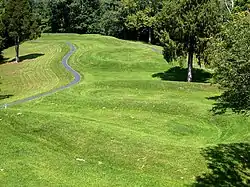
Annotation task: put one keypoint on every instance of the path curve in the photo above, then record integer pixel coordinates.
(77, 78)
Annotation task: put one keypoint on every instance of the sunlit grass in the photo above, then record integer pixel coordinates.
(117, 127)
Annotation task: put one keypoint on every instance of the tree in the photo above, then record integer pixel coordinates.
(110, 22)
(186, 26)
(143, 16)
(42, 11)
(2, 27)
(84, 16)
(140, 20)
(60, 15)
(75, 16)
(230, 57)
(20, 23)
(241, 5)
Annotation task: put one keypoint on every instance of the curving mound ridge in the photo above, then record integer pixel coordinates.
(118, 126)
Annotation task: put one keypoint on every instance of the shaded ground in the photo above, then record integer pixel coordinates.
(224, 103)
(229, 165)
(5, 96)
(180, 74)
(22, 58)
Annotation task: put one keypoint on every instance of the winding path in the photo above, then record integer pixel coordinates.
(77, 78)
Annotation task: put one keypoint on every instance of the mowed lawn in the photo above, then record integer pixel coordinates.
(117, 127)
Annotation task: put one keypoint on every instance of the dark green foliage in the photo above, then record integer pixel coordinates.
(83, 16)
(60, 14)
(111, 19)
(242, 5)
(230, 55)
(141, 16)
(42, 11)
(20, 23)
(74, 16)
(185, 26)
(2, 28)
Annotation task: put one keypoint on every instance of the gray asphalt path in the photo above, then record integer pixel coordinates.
(76, 75)
(157, 50)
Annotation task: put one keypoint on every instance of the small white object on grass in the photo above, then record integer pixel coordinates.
(80, 159)
(1, 169)
(5, 106)
(19, 113)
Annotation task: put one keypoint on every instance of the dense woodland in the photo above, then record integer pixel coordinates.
(214, 33)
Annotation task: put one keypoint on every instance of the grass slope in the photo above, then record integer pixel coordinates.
(39, 71)
(117, 127)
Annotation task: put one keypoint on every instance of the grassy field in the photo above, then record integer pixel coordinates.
(117, 127)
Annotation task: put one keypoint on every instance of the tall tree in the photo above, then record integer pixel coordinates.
(84, 16)
(42, 11)
(110, 22)
(2, 27)
(230, 57)
(186, 26)
(60, 15)
(143, 15)
(20, 23)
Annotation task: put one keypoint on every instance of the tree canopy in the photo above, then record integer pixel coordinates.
(185, 28)
(20, 24)
(230, 56)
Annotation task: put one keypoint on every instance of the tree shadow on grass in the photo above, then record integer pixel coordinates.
(223, 103)
(180, 74)
(22, 58)
(5, 96)
(30, 56)
(229, 166)
(3, 60)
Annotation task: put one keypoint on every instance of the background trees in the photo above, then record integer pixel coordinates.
(2, 27)
(142, 16)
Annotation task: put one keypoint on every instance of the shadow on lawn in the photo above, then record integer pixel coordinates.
(3, 60)
(5, 96)
(180, 74)
(223, 103)
(22, 58)
(229, 166)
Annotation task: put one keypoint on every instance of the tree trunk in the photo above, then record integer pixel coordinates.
(149, 35)
(17, 49)
(190, 65)
(138, 35)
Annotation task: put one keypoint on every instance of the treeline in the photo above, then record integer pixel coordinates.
(124, 19)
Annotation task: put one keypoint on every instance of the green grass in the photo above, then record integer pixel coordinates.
(38, 74)
(117, 127)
